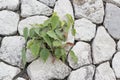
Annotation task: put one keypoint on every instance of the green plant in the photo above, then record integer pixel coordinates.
(49, 38)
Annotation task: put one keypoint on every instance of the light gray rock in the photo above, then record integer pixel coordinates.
(8, 22)
(112, 21)
(7, 72)
(118, 45)
(85, 29)
(116, 64)
(20, 78)
(34, 7)
(101, 46)
(8, 4)
(63, 7)
(90, 9)
(50, 3)
(116, 2)
(11, 50)
(29, 56)
(83, 52)
(104, 72)
(38, 70)
(84, 73)
(30, 20)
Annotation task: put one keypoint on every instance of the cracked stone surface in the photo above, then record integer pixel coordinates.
(50, 3)
(116, 2)
(7, 72)
(8, 22)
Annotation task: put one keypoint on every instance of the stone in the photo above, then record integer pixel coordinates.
(84, 73)
(118, 45)
(9, 22)
(30, 20)
(63, 7)
(8, 4)
(20, 78)
(90, 9)
(50, 3)
(116, 64)
(85, 29)
(112, 21)
(101, 46)
(104, 72)
(83, 52)
(34, 7)
(7, 72)
(29, 56)
(11, 48)
(40, 70)
(116, 2)
(0, 38)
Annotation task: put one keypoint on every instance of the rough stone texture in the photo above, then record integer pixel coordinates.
(11, 49)
(118, 45)
(104, 72)
(38, 70)
(101, 47)
(34, 7)
(30, 20)
(63, 7)
(8, 22)
(29, 56)
(90, 9)
(8, 4)
(85, 29)
(50, 3)
(116, 2)
(0, 39)
(20, 78)
(116, 64)
(7, 72)
(83, 52)
(84, 73)
(112, 21)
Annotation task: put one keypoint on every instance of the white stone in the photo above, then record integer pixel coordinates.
(7, 72)
(34, 7)
(9, 22)
(112, 21)
(85, 29)
(8, 4)
(50, 3)
(20, 78)
(116, 64)
(40, 70)
(116, 2)
(63, 7)
(83, 52)
(30, 20)
(104, 72)
(84, 73)
(118, 45)
(90, 9)
(103, 46)
(11, 50)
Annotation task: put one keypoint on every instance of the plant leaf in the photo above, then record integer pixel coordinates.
(57, 43)
(59, 34)
(73, 32)
(58, 53)
(25, 33)
(73, 56)
(32, 32)
(44, 54)
(29, 43)
(63, 52)
(52, 34)
(24, 56)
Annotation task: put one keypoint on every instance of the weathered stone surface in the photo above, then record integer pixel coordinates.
(116, 64)
(83, 52)
(101, 47)
(20, 78)
(63, 7)
(29, 56)
(38, 70)
(85, 29)
(8, 4)
(118, 45)
(11, 49)
(104, 72)
(30, 20)
(84, 73)
(90, 9)
(34, 7)
(112, 21)
(116, 2)
(8, 22)
(7, 72)
(50, 3)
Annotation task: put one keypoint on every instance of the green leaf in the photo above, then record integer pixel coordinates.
(63, 52)
(35, 48)
(29, 43)
(52, 34)
(58, 53)
(37, 30)
(25, 33)
(57, 43)
(73, 32)
(59, 34)
(32, 32)
(70, 19)
(73, 56)
(24, 56)
(44, 54)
